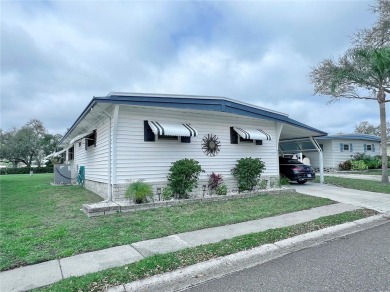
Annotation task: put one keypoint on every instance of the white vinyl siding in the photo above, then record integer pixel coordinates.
(327, 155)
(137, 159)
(358, 146)
(95, 159)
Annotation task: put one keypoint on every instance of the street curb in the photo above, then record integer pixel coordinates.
(215, 268)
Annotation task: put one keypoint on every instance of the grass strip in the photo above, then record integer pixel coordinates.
(40, 222)
(159, 264)
(357, 184)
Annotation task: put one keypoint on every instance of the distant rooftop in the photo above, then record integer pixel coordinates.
(351, 137)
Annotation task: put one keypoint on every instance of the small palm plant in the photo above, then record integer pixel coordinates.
(139, 191)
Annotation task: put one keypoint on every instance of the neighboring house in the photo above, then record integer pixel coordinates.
(126, 136)
(339, 148)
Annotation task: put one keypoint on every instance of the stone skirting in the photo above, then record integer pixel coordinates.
(326, 169)
(98, 188)
(118, 190)
(121, 206)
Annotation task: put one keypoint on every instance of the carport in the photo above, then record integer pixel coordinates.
(295, 140)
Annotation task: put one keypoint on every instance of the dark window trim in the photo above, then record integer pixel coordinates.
(90, 140)
(71, 153)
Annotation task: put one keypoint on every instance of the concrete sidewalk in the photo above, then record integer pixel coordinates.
(46, 273)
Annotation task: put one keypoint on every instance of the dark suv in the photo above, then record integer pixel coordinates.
(295, 170)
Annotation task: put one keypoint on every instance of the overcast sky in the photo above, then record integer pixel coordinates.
(55, 56)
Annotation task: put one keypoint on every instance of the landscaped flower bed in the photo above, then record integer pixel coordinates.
(106, 208)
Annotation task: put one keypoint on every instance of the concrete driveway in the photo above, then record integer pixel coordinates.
(376, 201)
(354, 176)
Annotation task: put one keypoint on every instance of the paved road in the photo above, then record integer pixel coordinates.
(358, 262)
(371, 200)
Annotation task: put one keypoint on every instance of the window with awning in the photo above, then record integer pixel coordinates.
(239, 134)
(153, 129)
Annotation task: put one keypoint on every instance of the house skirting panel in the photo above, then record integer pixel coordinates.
(119, 190)
(326, 169)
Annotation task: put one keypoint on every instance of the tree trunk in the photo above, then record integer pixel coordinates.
(382, 110)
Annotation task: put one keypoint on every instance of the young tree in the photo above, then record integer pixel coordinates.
(363, 72)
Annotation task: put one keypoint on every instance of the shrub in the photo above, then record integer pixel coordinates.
(373, 163)
(263, 184)
(247, 172)
(26, 170)
(183, 176)
(358, 165)
(221, 190)
(346, 165)
(215, 180)
(167, 193)
(284, 181)
(139, 191)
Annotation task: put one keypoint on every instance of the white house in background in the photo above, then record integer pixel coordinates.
(126, 136)
(339, 148)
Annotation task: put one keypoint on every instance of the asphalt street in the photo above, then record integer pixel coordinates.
(357, 262)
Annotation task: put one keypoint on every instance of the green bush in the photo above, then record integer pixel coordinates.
(26, 170)
(358, 165)
(263, 184)
(139, 191)
(247, 172)
(167, 193)
(373, 163)
(221, 190)
(284, 181)
(346, 165)
(183, 176)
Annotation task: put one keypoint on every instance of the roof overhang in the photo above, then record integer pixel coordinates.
(93, 114)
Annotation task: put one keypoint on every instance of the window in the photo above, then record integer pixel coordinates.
(169, 138)
(71, 153)
(369, 147)
(346, 147)
(90, 140)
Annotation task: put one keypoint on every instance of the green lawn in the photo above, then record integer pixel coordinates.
(40, 222)
(357, 184)
(158, 264)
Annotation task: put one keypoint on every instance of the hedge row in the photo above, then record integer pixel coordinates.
(26, 170)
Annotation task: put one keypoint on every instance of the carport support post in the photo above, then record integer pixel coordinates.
(321, 158)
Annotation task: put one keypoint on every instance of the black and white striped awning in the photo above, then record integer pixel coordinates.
(254, 134)
(172, 129)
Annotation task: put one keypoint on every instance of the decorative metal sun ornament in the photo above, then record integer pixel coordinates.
(211, 145)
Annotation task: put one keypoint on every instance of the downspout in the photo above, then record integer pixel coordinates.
(321, 158)
(114, 144)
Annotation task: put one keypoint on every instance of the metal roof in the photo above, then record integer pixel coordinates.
(291, 128)
(351, 137)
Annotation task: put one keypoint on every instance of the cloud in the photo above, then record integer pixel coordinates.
(57, 55)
